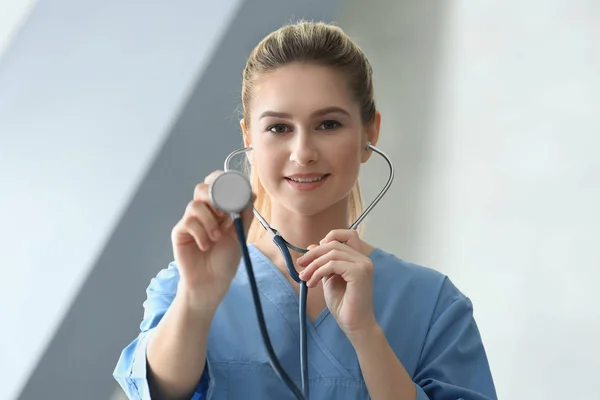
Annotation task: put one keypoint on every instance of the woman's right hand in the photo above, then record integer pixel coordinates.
(205, 246)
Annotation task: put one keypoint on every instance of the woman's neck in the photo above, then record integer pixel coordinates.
(302, 230)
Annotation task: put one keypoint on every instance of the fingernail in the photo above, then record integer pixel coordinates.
(216, 234)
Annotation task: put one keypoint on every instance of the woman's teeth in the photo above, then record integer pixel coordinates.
(307, 180)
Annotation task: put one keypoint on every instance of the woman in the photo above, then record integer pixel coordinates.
(379, 327)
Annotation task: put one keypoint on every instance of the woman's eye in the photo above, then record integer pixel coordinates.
(328, 125)
(278, 128)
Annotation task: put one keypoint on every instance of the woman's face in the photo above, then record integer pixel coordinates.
(307, 136)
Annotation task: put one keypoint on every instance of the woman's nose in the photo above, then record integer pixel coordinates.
(303, 150)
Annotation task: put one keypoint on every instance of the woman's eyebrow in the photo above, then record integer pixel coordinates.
(323, 111)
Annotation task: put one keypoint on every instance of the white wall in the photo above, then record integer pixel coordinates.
(492, 113)
(87, 96)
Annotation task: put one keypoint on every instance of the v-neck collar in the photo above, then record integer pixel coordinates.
(280, 297)
(283, 282)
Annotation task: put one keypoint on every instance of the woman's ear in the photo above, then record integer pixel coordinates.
(247, 141)
(245, 133)
(371, 135)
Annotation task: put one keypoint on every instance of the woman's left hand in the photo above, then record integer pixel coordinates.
(347, 278)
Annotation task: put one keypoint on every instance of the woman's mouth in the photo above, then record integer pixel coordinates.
(306, 181)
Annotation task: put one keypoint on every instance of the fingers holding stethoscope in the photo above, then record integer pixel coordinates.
(349, 237)
(201, 220)
(346, 275)
(335, 258)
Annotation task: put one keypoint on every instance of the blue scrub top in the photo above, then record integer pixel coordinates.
(428, 323)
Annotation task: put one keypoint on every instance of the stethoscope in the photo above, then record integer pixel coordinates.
(231, 193)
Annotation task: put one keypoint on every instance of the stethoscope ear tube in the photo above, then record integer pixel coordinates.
(356, 223)
(289, 263)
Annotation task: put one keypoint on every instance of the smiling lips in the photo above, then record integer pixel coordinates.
(306, 181)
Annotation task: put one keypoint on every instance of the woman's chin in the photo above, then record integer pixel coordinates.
(307, 207)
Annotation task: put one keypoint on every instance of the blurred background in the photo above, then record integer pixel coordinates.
(111, 112)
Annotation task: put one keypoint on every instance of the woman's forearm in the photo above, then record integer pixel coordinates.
(176, 352)
(384, 374)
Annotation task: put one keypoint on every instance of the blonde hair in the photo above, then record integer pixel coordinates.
(315, 43)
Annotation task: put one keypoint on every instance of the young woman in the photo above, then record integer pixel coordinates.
(379, 327)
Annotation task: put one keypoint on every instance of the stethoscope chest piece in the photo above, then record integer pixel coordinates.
(231, 192)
